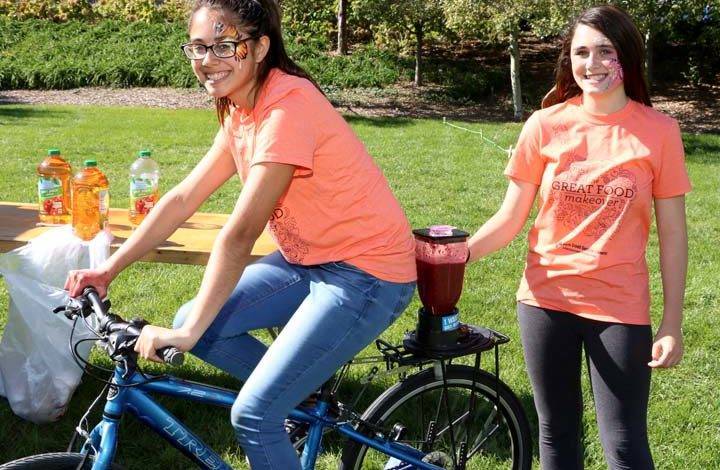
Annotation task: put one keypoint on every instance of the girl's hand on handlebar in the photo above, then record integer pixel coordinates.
(77, 280)
(153, 338)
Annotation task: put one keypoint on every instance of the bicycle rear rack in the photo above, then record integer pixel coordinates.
(476, 341)
(399, 359)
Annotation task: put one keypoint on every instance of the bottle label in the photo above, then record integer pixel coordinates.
(50, 196)
(140, 187)
(103, 207)
(143, 195)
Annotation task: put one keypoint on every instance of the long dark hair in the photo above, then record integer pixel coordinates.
(257, 18)
(619, 28)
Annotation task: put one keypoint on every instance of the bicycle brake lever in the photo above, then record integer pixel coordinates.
(69, 312)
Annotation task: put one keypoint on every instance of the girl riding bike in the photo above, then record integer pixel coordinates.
(345, 268)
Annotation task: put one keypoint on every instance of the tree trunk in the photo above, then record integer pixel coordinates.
(418, 53)
(342, 27)
(649, 37)
(515, 75)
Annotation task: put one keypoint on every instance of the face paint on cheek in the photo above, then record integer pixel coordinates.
(241, 51)
(616, 73)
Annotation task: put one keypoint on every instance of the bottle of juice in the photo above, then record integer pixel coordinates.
(90, 201)
(144, 192)
(54, 175)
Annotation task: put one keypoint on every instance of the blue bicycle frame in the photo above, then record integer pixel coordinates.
(102, 441)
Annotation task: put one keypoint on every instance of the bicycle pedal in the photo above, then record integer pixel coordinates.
(295, 430)
(398, 431)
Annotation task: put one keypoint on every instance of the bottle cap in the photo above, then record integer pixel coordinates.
(90, 163)
(53, 151)
(144, 153)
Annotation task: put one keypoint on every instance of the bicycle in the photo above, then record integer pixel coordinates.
(404, 428)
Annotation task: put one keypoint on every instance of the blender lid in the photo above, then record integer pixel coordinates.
(441, 234)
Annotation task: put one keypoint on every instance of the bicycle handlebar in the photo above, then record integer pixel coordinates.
(109, 323)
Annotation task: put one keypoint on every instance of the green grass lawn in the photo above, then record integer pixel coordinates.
(440, 175)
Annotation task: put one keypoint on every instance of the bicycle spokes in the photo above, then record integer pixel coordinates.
(438, 422)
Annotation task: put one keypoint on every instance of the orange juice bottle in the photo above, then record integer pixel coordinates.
(54, 175)
(144, 192)
(90, 201)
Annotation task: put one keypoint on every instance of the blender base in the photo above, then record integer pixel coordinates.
(470, 339)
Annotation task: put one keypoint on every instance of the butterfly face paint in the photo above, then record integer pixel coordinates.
(230, 32)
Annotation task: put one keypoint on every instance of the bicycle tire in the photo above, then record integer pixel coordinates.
(461, 377)
(51, 461)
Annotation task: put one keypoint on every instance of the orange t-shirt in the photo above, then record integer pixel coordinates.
(339, 206)
(597, 177)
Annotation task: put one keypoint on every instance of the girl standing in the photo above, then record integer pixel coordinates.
(599, 158)
(345, 268)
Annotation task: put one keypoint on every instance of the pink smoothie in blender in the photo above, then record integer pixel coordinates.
(440, 253)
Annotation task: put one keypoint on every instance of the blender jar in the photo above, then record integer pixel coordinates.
(440, 254)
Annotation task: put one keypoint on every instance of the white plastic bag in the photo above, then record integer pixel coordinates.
(37, 372)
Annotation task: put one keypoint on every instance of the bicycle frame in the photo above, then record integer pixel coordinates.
(102, 440)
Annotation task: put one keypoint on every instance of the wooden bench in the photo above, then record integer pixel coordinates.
(190, 244)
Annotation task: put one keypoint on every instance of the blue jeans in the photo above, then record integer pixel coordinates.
(328, 312)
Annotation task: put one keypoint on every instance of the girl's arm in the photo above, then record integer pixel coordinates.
(265, 184)
(672, 233)
(174, 208)
(507, 222)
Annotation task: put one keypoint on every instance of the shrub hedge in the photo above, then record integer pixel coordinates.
(91, 10)
(40, 54)
(43, 54)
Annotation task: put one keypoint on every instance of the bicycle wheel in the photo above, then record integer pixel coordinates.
(52, 461)
(498, 437)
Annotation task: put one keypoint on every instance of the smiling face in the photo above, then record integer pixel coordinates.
(232, 77)
(595, 64)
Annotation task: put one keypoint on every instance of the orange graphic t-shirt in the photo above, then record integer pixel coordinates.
(597, 178)
(339, 206)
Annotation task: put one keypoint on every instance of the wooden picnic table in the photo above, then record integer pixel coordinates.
(190, 244)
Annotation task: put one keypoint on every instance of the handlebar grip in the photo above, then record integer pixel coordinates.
(94, 298)
(171, 355)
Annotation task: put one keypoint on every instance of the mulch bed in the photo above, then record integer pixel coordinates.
(697, 109)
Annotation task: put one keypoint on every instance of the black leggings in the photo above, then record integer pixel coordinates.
(617, 356)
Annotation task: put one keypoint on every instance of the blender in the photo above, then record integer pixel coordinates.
(441, 253)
